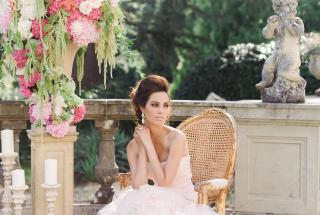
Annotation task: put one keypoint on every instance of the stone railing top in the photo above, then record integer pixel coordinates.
(120, 109)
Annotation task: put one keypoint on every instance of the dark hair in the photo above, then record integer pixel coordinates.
(144, 88)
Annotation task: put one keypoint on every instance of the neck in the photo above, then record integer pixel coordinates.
(156, 131)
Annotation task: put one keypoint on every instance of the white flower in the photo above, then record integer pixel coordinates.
(96, 3)
(76, 27)
(24, 27)
(33, 99)
(28, 12)
(20, 71)
(4, 7)
(114, 3)
(24, 3)
(85, 7)
(59, 104)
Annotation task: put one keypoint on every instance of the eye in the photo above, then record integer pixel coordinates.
(166, 105)
(154, 105)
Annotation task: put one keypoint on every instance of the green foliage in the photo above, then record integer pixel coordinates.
(86, 151)
(173, 36)
(232, 76)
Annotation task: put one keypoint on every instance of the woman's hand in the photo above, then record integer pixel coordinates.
(142, 136)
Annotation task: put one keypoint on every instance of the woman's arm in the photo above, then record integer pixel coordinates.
(164, 176)
(137, 158)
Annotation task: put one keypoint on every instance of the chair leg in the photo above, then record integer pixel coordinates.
(221, 204)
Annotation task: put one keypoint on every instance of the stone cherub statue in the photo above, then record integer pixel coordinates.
(281, 80)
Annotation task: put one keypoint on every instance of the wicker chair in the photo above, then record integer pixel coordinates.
(212, 142)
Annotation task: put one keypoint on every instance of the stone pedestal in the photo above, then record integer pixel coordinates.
(43, 147)
(278, 163)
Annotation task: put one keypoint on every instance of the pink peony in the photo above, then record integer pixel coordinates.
(58, 130)
(35, 28)
(21, 58)
(79, 113)
(5, 20)
(84, 32)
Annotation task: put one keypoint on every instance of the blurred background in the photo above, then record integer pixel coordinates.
(200, 46)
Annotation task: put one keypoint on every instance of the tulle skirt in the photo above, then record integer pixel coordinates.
(155, 200)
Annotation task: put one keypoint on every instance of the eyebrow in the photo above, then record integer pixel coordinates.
(159, 102)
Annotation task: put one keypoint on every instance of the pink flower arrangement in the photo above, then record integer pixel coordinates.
(35, 46)
(79, 113)
(58, 130)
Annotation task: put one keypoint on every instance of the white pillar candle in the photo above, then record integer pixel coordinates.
(18, 178)
(7, 141)
(50, 172)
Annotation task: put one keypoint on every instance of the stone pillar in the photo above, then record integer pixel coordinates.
(44, 146)
(278, 168)
(106, 168)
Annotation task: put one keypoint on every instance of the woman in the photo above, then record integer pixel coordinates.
(157, 152)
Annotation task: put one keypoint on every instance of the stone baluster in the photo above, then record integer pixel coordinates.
(106, 169)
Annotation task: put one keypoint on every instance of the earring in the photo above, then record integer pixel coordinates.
(142, 118)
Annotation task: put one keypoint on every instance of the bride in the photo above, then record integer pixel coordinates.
(157, 152)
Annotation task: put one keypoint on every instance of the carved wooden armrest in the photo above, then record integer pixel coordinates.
(209, 185)
(124, 179)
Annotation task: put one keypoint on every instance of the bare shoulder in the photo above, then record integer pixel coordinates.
(177, 136)
(132, 146)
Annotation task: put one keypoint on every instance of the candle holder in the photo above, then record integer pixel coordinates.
(51, 195)
(8, 162)
(18, 198)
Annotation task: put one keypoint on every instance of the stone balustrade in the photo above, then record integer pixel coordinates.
(277, 170)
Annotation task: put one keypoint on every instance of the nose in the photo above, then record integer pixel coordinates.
(161, 109)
